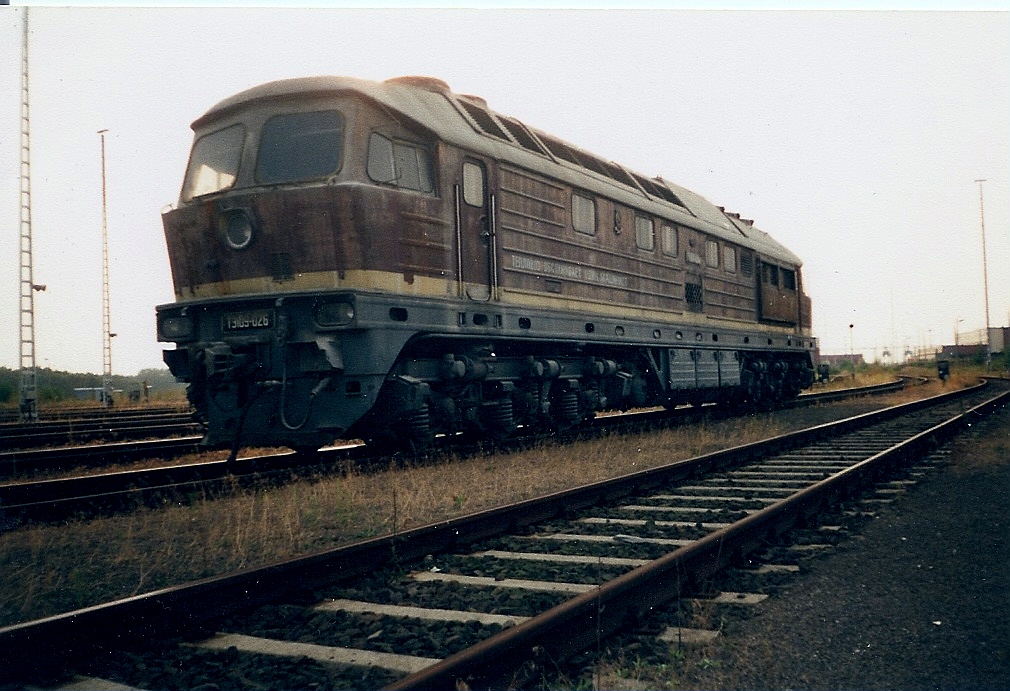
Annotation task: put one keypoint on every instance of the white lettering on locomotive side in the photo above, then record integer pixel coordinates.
(572, 271)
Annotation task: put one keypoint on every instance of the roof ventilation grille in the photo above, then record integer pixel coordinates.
(476, 108)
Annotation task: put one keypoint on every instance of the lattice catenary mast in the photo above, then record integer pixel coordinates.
(106, 309)
(29, 390)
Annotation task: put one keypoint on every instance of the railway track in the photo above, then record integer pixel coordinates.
(492, 598)
(137, 424)
(30, 463)
(21, 455)
(56, 499)
(11, 417)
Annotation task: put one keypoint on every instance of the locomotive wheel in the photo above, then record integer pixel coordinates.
(565, 409)
(410, 433)
(498, 419)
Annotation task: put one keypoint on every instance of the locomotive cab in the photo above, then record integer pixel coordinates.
(280, 227)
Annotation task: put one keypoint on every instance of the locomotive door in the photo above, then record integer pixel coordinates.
(475, 233)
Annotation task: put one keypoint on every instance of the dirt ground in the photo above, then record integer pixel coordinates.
(919, 599)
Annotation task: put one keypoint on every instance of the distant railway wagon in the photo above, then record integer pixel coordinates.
(393, 260)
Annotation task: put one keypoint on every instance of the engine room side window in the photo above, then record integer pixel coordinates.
(712, 253)
(399, 163)
(645, 233)
(668, 238)
(213, 165)
(300, 146)
(583, 214)
(729, 259)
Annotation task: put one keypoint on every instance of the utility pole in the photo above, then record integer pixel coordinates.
(852, 351)
(29, 397)
(106, 310)
(985, 273)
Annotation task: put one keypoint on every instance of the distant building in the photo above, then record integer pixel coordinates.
(925, 354)
(973, 343)
(961, 350)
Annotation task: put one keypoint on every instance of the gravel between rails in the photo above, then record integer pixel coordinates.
(919, 599)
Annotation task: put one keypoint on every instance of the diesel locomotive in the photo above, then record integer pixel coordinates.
(392, 260)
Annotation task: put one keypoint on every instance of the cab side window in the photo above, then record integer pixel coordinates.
(771, 274)
(788, 279)
(473, 184)
(400, 163)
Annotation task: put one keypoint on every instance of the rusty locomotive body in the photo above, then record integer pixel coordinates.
(394, 260)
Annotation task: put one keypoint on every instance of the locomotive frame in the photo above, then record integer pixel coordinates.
(393, 260)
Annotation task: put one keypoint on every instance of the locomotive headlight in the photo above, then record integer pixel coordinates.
(175, 328)
(236, 227)
(334, 313)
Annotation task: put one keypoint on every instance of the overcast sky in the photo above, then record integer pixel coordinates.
(854, 138)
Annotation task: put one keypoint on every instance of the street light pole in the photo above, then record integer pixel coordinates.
(852, 352)
(985, 271)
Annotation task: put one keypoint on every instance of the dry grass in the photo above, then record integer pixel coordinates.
(985, 448)
(168, 397)
(50, 569)
(867, 376)
(959, 379)
(58, 568)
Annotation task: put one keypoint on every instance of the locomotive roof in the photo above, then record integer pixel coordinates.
(467, 122)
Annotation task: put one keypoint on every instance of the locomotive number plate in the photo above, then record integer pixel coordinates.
(244, 321)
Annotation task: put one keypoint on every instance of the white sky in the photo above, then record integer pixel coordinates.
(853, 138)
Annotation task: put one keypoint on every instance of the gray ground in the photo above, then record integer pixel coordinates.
(919, 600)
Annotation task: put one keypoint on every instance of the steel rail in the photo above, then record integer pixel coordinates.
(56, 499)
(61, 419)
(63, 433)
(23, 436)
(35, 461)
(125, 416)
(9, 418)
(812, 397)
(32, 647)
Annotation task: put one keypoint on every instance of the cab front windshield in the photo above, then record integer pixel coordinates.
(213, 165)
(292, 147)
